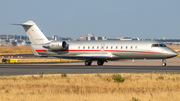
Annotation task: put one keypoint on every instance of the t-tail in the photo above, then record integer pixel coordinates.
(34, 33)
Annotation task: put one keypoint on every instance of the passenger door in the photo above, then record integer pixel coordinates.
(102, 47)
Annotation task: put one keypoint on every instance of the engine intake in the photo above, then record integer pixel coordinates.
(56, 45)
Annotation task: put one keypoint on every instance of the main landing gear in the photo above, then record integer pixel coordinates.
(88, 62)
(164, 62)
(99, 62)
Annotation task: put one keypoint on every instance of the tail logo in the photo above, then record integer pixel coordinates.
(40, 39)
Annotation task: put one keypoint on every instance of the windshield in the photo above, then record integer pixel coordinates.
(158, 45)
(162, 45)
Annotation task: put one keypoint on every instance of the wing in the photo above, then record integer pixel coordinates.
(87, 56)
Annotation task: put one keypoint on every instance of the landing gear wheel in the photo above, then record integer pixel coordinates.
(100, 62)
(164, 64)
(88, 63)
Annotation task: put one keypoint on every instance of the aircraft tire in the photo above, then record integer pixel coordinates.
(100, 62)
(164, 64)
(88, 63)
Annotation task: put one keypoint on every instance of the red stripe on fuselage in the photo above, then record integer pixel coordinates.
(133, 51)
(82, 50)
(41, 50)
(108, 51)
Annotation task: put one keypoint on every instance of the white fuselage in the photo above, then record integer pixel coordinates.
(95, 50)
(109, 50)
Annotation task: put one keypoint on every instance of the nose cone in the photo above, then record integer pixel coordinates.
(169, 53)
(173, 54)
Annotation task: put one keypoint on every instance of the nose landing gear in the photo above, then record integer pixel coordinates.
(164, 62)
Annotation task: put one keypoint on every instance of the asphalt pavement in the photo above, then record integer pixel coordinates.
(122, 66)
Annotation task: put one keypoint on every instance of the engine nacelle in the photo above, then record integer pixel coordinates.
(56, 45)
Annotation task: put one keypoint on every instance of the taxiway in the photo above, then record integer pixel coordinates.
(124, 66)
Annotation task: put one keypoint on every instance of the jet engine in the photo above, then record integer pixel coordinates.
(56, 45)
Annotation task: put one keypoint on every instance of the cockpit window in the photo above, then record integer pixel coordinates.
(158, 45)
(155, 45)
(162, 45)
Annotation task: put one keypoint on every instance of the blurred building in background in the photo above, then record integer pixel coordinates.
(22, 40)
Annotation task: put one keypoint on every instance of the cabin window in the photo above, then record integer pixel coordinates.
(116, 47)
(106, 47)
(121, 47)
(136, 47)
(92, 47)
(79, 47)
(111, 47)
(126, 47)
(84, 47)
(97, 47)
(88, 47)
(131, 47)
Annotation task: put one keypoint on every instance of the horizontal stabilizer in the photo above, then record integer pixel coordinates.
(24, 24)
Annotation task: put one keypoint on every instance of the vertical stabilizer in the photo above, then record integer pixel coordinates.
(34, 33)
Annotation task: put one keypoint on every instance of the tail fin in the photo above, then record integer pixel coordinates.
(34, 33)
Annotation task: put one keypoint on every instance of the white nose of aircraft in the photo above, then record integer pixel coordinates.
(172, 54)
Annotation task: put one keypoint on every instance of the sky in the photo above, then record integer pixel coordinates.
(145, 19)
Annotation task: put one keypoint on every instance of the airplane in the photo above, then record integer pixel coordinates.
(100, 51)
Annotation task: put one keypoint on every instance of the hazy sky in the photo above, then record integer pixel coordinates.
(110, 18)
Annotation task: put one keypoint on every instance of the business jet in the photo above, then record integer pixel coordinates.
(100, 51)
